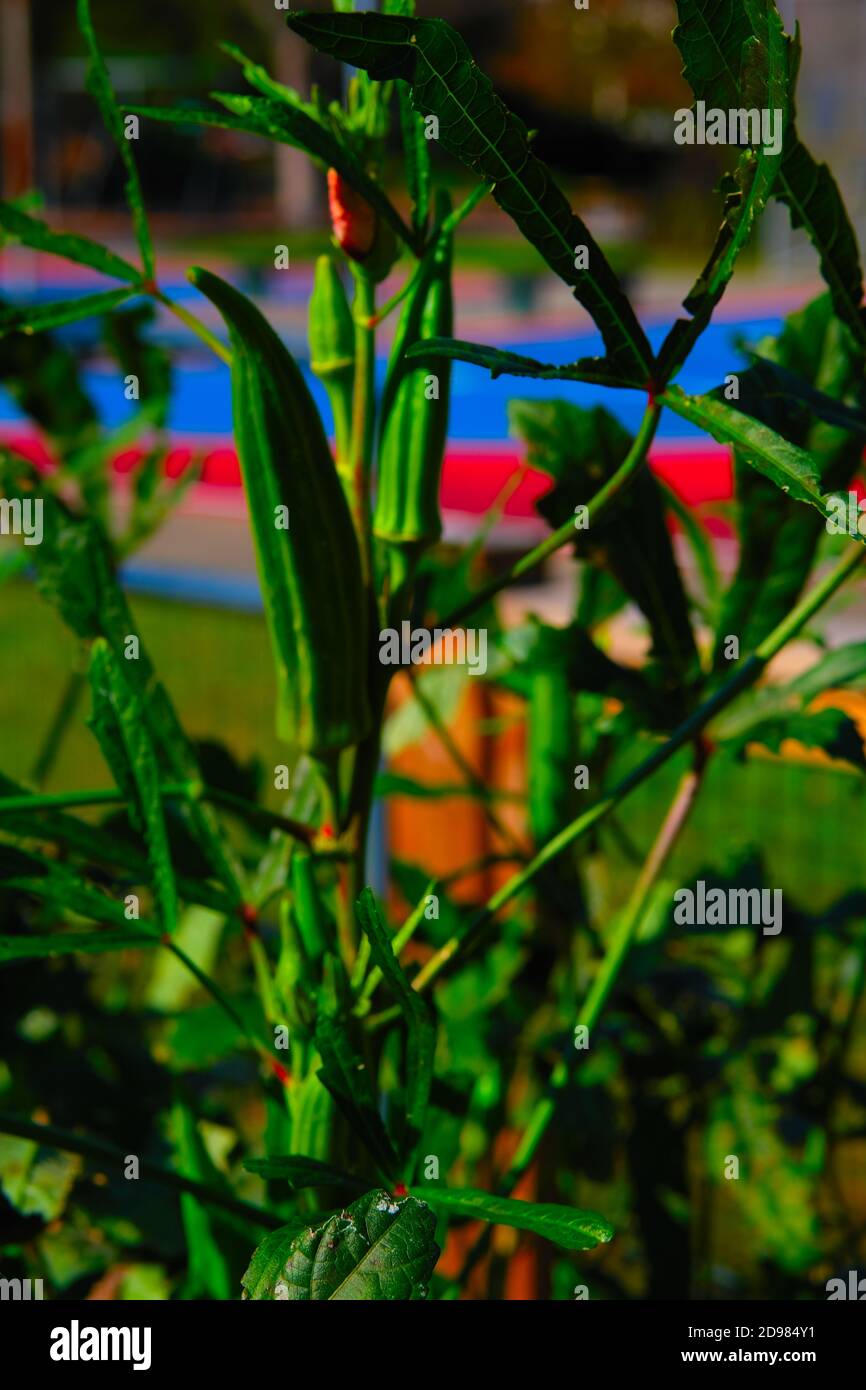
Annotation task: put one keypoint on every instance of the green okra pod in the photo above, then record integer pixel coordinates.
(306, 548)
(331, 337)
(415, 412)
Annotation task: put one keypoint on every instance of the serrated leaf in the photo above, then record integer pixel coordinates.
(736, 55)
(814, 202)
(778, 540)
(565, 1226)
(806, 187)
(769, 391)
(36, 318)
(31, 231)
(381, 1248)
(421, 1031)
(100, 88)
(28, 947)
(792, 469)
(595, 370)
(346, 1075)
(301, 1172)
(121, 728)
(478, 128)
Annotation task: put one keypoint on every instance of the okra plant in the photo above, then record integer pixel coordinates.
(407, 1074)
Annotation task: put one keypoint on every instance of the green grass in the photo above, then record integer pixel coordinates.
(215, 664)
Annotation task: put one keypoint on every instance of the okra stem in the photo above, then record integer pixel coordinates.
(195, 326)
(363, 413)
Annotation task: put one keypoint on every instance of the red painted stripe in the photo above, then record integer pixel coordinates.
(472, 479)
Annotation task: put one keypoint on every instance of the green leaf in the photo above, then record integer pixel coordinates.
(380, 1248)
(831, 730)
(120, 726)
(30, 231)
(35, 318)
(346, 1075)
(711, 35)
(95, 845)
(421, 1039)
(479, 129)
(500, 363)
(71, 943)
(59, 885)
(309, 566)
(779, 540)
(791, 468)
(100, 88)
(582, 449)
(44, 379)
(771, 713)
(769, 391)
(301, 1172)
(299, 126)
(814, 202)
(565, 1226)
(714, 33)
(736, 56)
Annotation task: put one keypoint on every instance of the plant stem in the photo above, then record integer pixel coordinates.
(103, 1152)
(596, 506)
(655, 861)
(194, 325)
(747, 674)
(363, 413)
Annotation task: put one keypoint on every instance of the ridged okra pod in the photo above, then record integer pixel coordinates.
(331, 337)
(415, 412)
(306, 549)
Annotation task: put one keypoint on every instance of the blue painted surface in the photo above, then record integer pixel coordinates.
(202, 398)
